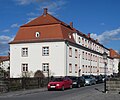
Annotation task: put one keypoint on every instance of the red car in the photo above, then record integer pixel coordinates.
(60, 83)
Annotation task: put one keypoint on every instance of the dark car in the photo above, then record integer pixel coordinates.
(104, 77)
(60, 83)
(77, 81)
(99, 79)
(89, 79)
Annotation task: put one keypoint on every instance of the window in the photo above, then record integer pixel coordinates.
(70, 68)
(69, 35)
(76, 53)
(83, 41)
(86, 69)
(79, 39)
(24, 52)
(83, 68)
(91, 57)
(76, 68)
(24, 67)
(37, 34)
(88, 44)
(45, 51)
(86, 56)
(70, 52)
(45, 67)
(83, 55)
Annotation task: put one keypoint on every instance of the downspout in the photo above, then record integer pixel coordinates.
(66, 57)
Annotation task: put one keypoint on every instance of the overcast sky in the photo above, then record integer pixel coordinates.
(101, 18)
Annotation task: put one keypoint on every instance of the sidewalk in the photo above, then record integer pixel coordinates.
(22, 92)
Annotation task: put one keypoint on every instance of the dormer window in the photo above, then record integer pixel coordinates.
(69, 35)
(37, 34)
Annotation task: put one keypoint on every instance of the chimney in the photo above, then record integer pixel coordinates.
(97, 40)
(89, 35)
(71, 24)
(45, 11)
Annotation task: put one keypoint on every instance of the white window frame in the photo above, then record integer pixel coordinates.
(37, 34)
(70, 68)
(45, 51)
(25, 67)
(76, 68)
(76, 53)
(45, 67)
(24, 52)
(70, 52)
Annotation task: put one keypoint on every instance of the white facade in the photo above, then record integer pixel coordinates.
(35, 59)
(63, 59)
(115, 65)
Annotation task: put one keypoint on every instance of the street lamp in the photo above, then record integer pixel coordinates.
(105, 65)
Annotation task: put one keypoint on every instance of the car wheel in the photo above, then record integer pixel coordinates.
(90, 83)
(70, 86)
(94, 83)
(83, 85)
(78, 85)
(63, 88)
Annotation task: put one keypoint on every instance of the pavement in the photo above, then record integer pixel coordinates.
(22, 92)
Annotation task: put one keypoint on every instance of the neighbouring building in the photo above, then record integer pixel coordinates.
(116, 60)
(4, 66)
(48, 44)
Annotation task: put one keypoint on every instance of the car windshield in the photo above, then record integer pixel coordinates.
(57, 80)
(86, 77)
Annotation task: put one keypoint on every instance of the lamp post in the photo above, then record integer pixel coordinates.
(105, 65)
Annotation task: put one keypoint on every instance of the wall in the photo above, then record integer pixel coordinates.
(113, 85)
(56, 58)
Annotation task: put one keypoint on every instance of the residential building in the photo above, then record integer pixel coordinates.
(50, 45)
(4, 66)
(116, 60)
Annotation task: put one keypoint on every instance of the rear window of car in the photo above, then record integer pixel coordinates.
(86, 77)
(73, 78)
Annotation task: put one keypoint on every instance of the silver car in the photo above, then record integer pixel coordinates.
(89, 80)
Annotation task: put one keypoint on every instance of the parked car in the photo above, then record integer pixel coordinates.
(77, 81)
(104, 77)
(60, 83)
(89, 79)
(99, 79)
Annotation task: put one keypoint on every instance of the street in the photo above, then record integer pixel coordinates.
(93, 92)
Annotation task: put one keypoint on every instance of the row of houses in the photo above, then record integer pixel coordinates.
(50, 45)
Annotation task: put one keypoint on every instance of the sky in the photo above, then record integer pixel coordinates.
(101, 18)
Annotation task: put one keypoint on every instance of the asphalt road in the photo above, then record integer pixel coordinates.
(93, 92)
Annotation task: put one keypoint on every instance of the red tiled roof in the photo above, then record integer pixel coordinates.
(49, 28)
(44, 20)
(4, 58)
(114, 54)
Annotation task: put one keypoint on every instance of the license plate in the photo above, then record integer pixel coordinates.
(52, 86)
(74, 83)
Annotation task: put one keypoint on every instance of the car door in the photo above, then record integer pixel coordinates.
(65, 83)
(82, 81)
